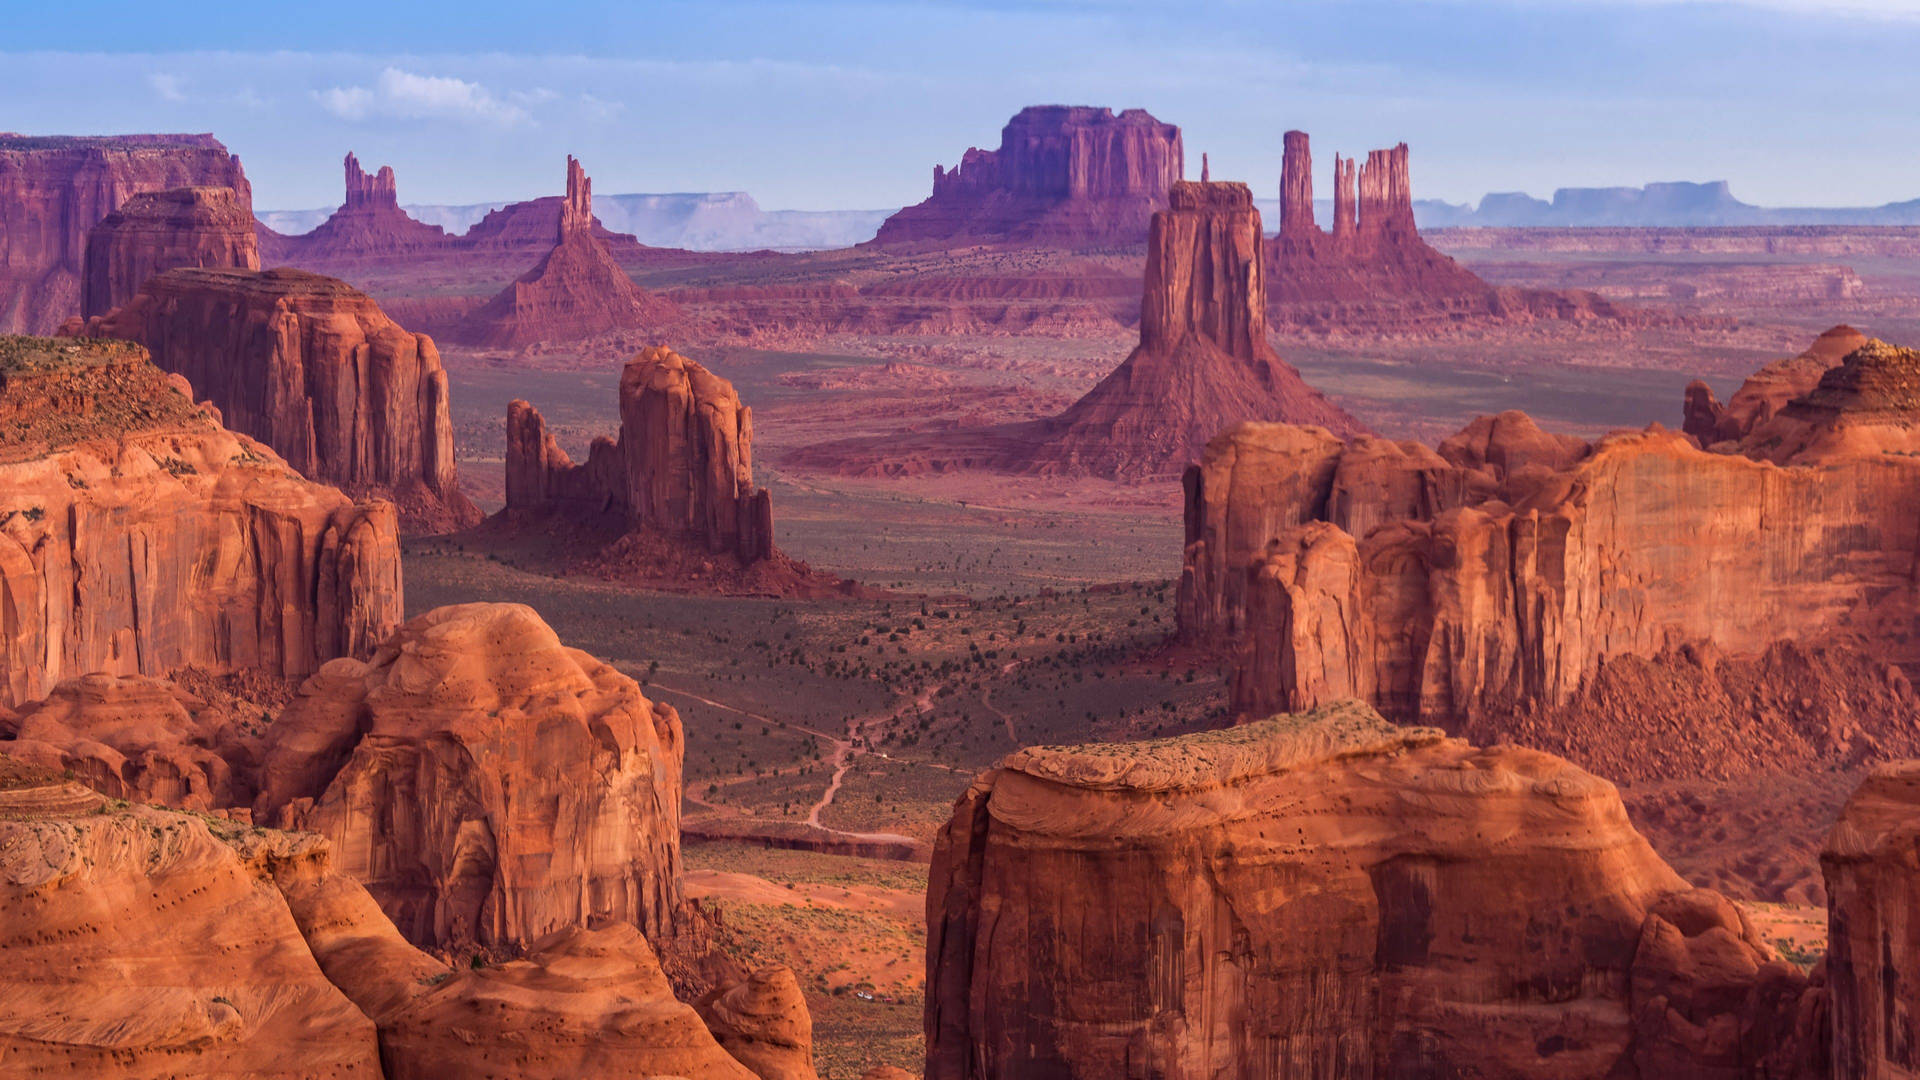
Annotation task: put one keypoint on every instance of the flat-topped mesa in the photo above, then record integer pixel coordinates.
(1203, 363)
(138, 536)
(1329, 895)
(54, 189)
(312, 367)
(1063, 176)
(160, 230)
(1386, 193)
(682, 466)
(576, 290)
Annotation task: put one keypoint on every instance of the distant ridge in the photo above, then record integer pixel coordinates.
(1667, 204)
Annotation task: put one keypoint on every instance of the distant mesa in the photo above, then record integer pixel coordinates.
(162, 230)
(576, 291)
(55, 188)
(671, 500)
(1063, 176)
(312, 367)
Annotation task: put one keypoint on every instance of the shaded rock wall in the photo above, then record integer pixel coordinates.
(160, 230)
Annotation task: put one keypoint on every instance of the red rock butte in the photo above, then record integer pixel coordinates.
(368, 222)
(162, 230)
(312, 367)
(55, 188)
(138, 536)
(1063, 176)
(575, 291)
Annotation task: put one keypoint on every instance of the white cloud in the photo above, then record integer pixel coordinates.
(420, 97)
(167, 87)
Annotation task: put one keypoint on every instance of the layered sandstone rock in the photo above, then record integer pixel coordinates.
(1063, 176)
(312, 367)
(575, 291)
(1766, 391)
(156, 231)
(136, 943)
(762, 1021)
(1203, 363)
(486, 783)
(138, 536)
(368, 223)
(55, 188)
(682, 466)
(1328, 895)
(1873, 947)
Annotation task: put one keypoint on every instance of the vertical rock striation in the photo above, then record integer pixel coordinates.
(1873, 937)
(313, 368)
(161, 230)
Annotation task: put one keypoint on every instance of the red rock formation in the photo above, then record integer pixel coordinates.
(1873, 946)
(575, 291)
(369, 222)
(138, 536)
(1766, 391)
(55, 188)
(682, 466)
(1498, 584)
(1075, 177)
(1328, 895)
(1203, 363)
(159, 230)
(313, 368)
(762, 1021)
(484, 782)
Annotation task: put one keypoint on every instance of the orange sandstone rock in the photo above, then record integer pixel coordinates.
(1873, 945)
(762, 1021)
(161, 230)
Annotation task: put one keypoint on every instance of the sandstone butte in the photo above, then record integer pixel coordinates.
(138, 536)
(671, 500)
(55, 188)
(1873, 938)
(1064, 176)
(312, 367)
(1203, 363)
(1766, 391)
(160, 230)
(1518, 584)
(368, 222)
(1330, 895)
(575, 291)
(488, 785)
(1374, 267)
(143, 942)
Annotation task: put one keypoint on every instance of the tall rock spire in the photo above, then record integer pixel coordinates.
(1343, 197)
(576, 213)
(1296, 186)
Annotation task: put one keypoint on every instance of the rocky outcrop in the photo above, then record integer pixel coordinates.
(156, 231)
(575, 291)
(1076, 177)
(1203, 363)
(487, 784)
(137, 943)
(55, 188)
(1766, 391)
(138, 536)
(1329, 895)
(1873, 946)
(762, 1021)
(681, 467)
(1497, 578)
(368, 223)
(312, 367)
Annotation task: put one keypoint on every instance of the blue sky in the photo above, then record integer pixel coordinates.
(839, 104)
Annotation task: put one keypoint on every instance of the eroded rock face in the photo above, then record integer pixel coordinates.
(55, 188)
(1766, 391)
(368, 222)
(136, 943)
(1873, 945)
(1063, 176)
(1329, 895)
(487, 784)
(159, 230)
(138, 536)
(575, 291)
(1203, 363)
(762, 1021)
(312, 367)
(682, 465)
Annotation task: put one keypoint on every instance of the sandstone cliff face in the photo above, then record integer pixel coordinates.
(487, 784)
(155, 231)
(138, 536)
(313, 368)
(1503, 580)
(1063, 177)
(1203, 363)
(1328, 895)
(682, 466)
(55, 188)
(1873, 946)
(575, 291)
(1766, 391)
